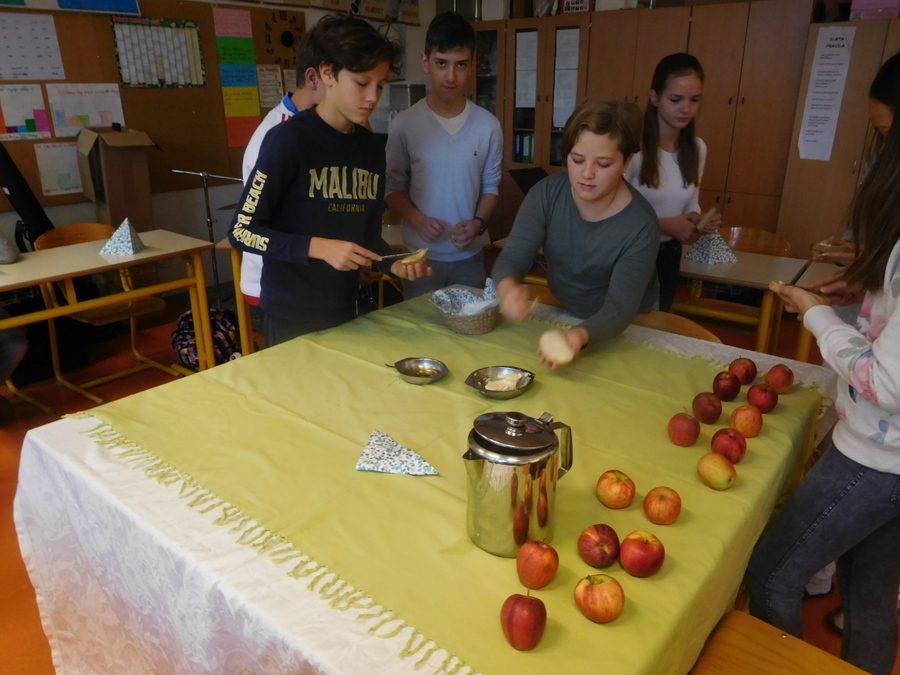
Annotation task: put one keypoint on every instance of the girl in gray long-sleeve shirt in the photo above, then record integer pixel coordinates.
(599, 236)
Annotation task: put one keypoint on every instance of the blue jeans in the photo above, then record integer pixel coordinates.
(845, 511)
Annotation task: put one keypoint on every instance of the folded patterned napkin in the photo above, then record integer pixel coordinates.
(711, 249)
(459, 300)
(385, 455)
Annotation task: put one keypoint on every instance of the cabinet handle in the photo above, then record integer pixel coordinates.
(730, 100)
(728, 199)
(743, 100)
(854, 167)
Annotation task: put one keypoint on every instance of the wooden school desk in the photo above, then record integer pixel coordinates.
(233, 532)
(751, 270)
(66, 263)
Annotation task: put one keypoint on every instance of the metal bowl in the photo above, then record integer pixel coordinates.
(482, 378)
(420, 369)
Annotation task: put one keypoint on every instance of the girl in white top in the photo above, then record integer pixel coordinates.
(668, 169)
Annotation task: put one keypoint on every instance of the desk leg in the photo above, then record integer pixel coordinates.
(245, 325)
(804, 344)
(206, 355)
(764, 329)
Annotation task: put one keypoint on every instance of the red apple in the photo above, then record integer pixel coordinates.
(763, 397)
(707, 407)
(683, 429)
(598, 545)
(523, 619)
(599, 597)
(716, 471)
(780, 378)
(744, 369)
(520, 523)
(641, 554)
(729, 443)
(615, 490)
(662, 505)
(748, 420)
(726, 386)
(536, 564)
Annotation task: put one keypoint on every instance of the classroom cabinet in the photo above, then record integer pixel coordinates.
(626, 45)
(817, 193)
(752, 54)
(546, 60)
(486, 87)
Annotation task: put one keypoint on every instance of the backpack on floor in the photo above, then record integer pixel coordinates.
(225, 337)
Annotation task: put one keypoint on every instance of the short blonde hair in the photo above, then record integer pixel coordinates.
(619, 120)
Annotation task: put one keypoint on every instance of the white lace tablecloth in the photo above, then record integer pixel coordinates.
(152, 587)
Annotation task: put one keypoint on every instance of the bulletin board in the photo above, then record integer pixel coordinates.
(188, 124)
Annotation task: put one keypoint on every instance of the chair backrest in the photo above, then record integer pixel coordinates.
(74, 233)
(755, 240)
(673, 323)
(538, 288)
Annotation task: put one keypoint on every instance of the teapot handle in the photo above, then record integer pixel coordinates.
(564, 431)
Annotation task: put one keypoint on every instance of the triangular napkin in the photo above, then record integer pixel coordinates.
(124, 241)
(385, 455)
(711, 249)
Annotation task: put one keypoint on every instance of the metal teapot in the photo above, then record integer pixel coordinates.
(513, 462)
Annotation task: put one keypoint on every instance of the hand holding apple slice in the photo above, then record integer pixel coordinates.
(555, 347)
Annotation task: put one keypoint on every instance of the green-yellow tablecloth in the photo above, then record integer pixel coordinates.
(269, 443)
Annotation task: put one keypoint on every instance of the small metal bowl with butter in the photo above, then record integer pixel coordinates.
(500, 381)
(420, 369)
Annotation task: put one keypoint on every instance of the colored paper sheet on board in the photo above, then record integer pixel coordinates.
(235, 50)
(240, 129)
(22, 112)
(58, 168)
(238, 75)
(232, 22)
(241, 101)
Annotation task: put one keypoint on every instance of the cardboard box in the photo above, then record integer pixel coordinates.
(115, 174)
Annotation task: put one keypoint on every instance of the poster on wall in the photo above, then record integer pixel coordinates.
(158, 52)
(23, 114)
(29, 48)
(58, 167)
(77, 105)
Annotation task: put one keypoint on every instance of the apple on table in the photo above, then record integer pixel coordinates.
(662, 505)
(683, 429)
(744, 368)
(716, 471)
(780, 378)
(641, 554)
(615, 489)
(598, 545)
(523, 619)
(707, 407)
(763, 397)
(748, 420)
(726, 386)
(729, 443)
(600, 597)
(536, 564)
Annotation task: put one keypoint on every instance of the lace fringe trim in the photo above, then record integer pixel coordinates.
(341, 595)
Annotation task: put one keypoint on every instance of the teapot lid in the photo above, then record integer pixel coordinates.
(514, 431)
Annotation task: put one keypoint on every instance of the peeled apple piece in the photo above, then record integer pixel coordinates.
(556, 348)
(415, 256)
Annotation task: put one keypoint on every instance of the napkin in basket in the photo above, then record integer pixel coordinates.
(385, 455)
(711, 249)
(464, 301)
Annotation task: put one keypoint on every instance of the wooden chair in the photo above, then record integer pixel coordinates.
(672, 323)
(129, 310)
(744, 645)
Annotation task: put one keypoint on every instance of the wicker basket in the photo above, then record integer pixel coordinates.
(474, 324)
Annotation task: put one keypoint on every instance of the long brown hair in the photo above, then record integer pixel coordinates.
(875, 213)
(673, 65)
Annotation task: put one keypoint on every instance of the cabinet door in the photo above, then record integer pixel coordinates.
(746, 210)
(522, 91)
(486, 84)
(567, 49)
(613, 39)
(661, 31)
(817, 193)
(770, 77)
(717, 40)
(892, 43)
(710, 198)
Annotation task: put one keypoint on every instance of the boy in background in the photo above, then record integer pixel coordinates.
(308, 93)
(444, 159)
